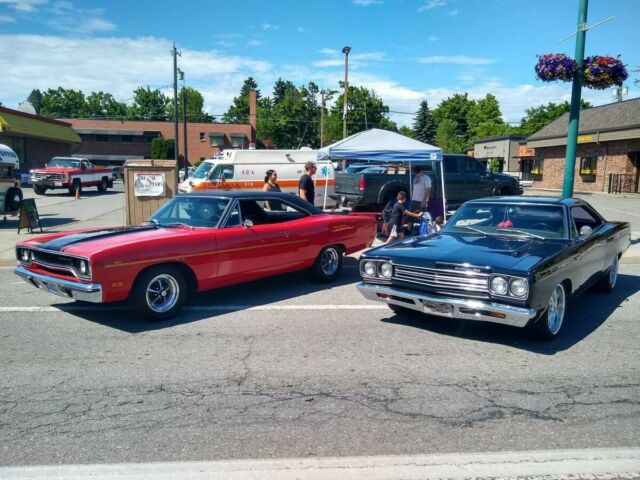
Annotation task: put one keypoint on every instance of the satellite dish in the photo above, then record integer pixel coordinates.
(26, 107)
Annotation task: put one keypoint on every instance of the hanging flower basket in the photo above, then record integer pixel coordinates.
(555, 66)
(603, 72)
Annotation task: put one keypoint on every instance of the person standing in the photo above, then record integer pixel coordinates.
(306, 185)
(421, 190)
(271, 185)
(398, 214)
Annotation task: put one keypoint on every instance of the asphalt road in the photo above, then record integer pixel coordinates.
(285, 368)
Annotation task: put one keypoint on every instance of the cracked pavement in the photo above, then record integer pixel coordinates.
(99, 386)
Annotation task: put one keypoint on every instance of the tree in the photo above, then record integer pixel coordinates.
(35, 99)
(149, 104)
(238, 112)
(195, 105)
(541, 116)
(447, 137)
(162, 148)
(409, 132)
(63, 103)
(424, 126)
(485, 119)
(101, 104)
(455, 108)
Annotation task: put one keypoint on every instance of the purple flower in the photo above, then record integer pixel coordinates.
(601, 72)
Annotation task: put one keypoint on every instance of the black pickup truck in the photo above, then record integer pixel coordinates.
(465, 179)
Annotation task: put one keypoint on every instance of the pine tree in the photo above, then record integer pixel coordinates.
(424, 125)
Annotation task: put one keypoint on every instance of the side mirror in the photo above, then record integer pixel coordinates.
(247, 224)
(585, 231)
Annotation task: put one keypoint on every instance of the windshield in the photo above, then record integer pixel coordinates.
(203, 170)
(534, 221)
(191, 211)
(64, 162)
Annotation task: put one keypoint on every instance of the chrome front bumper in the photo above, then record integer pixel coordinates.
(86, 292)
(451, 307)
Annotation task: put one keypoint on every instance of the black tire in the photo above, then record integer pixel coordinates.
(328, 264)
(549, 324)
(608, 281)
(159, 293)
(12, 199)
(75, 186)
(104, 183)
(504, 191)
(38, 190)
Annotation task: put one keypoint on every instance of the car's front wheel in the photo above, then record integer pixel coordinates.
(328, 264)
(551, 321)
(159, 293)
(104, 183)
(38, 190)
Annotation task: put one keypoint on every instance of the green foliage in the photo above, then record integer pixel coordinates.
(101, 104)
(424, 125)
(63, 103)
(456, 109)
(238, 112)
(447, 137)
(541, 116)
(162, 148)
(195, 105)
(407, 132)
(149, 104)
(35, 99)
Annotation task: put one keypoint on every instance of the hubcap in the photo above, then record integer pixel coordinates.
(613, 272)
(162, 293)
(555, 310)
(330, 261)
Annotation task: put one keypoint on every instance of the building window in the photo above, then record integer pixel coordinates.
(217, 139)
(589, 166)
(126, 138)
(536, 167)
(202, 139)
(150, 138)
(102, 138)
(237, 140)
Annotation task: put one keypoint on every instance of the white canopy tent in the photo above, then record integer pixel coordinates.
(377, 145)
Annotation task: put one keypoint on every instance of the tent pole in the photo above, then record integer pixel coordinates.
(326, 184)
(444, 198)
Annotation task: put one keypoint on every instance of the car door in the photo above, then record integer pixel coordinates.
(220, 177)
(453, 182)
(589, 253)
(477, 181)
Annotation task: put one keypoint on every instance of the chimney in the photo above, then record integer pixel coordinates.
(253, 98)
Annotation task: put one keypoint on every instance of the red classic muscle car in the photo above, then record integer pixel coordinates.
(194, 242)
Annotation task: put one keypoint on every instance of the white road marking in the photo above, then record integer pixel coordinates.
(194, 308)
(594, 464)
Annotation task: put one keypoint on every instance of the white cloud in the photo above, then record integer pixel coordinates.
(329, 52)
(23, 5)
(453, 12)
(268, 26)
(355, 60)
(6, 19)
(366, 3)
(254, 43)
(432, 4)
(455, 60)
(433, 38)
(300, 29)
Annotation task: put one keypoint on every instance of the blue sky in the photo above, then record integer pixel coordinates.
(405, 50)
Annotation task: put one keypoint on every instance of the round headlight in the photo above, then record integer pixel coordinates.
(386, 270)
(24, 255)
(518, 287)
(84, 267)
(499, 285)
(369, 268)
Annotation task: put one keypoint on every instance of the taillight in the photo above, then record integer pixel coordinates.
(362, 184)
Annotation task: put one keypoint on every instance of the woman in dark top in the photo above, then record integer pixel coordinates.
(270, 185)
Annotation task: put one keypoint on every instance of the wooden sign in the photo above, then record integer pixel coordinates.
(29, 217)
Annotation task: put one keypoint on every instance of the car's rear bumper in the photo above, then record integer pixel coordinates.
(451, 307)
(86, 292)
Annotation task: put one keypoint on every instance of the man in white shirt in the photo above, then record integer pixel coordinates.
(421, 189)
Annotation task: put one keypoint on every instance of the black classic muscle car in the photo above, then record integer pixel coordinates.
(508, 260)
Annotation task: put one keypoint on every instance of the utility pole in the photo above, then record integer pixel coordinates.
(346, 51)
(574, 113)
(184, 123)
(366, 124)
(322, 92)
(175, 54)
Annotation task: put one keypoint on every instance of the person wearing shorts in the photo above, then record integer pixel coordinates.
(396, 221)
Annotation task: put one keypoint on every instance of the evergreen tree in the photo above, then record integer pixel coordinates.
(424, 126)
(35, 99)
(238, 112)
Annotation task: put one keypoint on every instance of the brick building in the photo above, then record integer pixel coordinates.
(114, 141)
(502, 152)
(608, 152)
(36, 139)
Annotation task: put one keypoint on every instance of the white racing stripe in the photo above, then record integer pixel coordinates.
(194, 308)
(547, 465)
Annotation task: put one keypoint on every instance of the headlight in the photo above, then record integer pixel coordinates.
(84, 267)
(499, 285)
(386, 270)
(24, 255)
(369, 269)
(519, 287)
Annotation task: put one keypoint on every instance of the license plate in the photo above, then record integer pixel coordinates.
(52, 289)
(57, 184)
(437, 307)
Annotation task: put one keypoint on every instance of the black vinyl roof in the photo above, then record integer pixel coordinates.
(257, 195)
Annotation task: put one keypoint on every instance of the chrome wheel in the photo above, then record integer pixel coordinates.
(555, 310)
(330, 261)
(162, 293)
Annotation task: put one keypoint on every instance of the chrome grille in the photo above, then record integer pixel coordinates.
(57, 262)
(461, 281)
(48, 176)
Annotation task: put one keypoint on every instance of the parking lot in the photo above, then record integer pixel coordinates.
(286, 368)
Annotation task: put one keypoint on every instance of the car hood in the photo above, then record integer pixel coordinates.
(87, 243)
(54, 169)
(497, 253)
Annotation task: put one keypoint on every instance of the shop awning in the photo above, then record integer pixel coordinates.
(32, 126)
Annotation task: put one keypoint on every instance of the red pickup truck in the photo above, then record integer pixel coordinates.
(72, 174)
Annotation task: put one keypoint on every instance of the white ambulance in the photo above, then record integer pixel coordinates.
(246, 170)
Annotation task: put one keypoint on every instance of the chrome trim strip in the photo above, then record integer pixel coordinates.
(87, 292)
(465, 309)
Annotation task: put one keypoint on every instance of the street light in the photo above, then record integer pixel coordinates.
(346, 51)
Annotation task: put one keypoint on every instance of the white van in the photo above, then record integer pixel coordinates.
(10, 193)
(246, 170)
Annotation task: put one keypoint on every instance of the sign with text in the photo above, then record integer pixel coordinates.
(29, 217)
(149, 184)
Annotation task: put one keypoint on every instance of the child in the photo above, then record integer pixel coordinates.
(396, 220)
(439, 223)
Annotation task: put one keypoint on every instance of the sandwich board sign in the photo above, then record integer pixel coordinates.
(29, 217)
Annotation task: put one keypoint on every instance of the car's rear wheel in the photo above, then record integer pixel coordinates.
(76, 186)
(551, 321)
(328, 264)
(104, 183)
(608, 282)
(159, 293)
